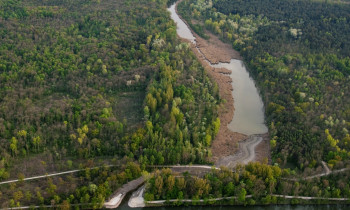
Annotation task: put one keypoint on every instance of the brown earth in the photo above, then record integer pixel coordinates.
(262, 151)
(226, 141)
(215, 51)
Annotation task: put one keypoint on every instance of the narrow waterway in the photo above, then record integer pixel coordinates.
(182, 30)
(248, 117)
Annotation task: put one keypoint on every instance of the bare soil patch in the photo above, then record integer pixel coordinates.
(262, 150)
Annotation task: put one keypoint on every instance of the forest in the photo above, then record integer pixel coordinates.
(252, 184)
(93, 83)
(298, 54)
(106, 87)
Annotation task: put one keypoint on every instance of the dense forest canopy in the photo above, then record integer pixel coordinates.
(101, 82)
(253, 184)
(82, 80)
(325, 27)
(298, 53)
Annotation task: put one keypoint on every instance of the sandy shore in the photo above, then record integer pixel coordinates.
(115, 201)
(137, 200)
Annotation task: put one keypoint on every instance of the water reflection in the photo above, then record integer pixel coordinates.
(249, 109)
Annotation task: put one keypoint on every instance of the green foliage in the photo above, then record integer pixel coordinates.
(73, 79)
(12, 9)
(299, 58)
(252, 184)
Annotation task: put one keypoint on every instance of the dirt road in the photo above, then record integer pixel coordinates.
(49, 175)
(245, 154)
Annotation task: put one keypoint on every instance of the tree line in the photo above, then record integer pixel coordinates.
(71, 70)
(298, 54)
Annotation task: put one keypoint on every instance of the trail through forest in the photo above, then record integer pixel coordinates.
(50, 175)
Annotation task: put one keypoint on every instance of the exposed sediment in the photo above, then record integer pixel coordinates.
(262, 151)
(245, 153)
(226, 141)
(213, 51)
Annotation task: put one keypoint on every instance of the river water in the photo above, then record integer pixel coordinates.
(248, 117)
(249, 109)
(182, 30)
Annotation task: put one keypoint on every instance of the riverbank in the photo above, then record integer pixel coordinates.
(213, 51)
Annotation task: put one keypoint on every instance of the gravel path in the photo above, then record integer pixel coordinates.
(234, 197)
(324, 164)
(245, 155)
(311, 198)
(321, 175)
(53, 174)
(326, 173)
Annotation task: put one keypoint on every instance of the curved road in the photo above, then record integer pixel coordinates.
(245, 154)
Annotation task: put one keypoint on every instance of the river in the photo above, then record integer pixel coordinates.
(249, 108)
